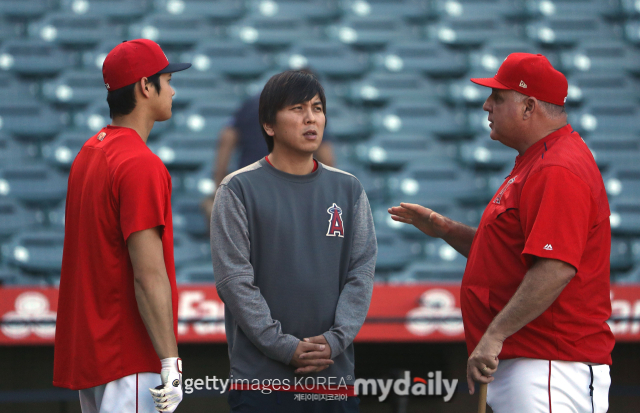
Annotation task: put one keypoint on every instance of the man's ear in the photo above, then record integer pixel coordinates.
(268, 129)
(530, 106)
(144, 87)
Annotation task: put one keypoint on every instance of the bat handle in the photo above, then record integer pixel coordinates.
(482, 400)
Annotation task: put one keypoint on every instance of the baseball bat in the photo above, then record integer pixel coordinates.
(482, 400)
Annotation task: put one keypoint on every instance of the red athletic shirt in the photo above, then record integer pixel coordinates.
(117, 186)
(552, 205)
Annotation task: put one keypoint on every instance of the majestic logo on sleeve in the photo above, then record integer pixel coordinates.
(336, 226)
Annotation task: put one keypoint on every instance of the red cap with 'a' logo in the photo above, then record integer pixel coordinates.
(132, 60)
(531, 75)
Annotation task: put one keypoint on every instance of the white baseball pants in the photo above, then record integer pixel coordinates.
(129, 394)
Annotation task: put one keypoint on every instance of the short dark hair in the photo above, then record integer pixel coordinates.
(123, 101)
(285, 89)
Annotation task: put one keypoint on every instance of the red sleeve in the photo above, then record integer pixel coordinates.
(142, 188)
(556, 211)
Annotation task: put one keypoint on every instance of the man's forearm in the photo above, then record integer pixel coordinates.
(460, 237)
(153, 295)
(540, 287)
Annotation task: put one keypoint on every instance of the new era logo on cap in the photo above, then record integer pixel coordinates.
(522, 84)
(548, 247)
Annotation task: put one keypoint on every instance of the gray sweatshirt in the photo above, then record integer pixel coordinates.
(293, 257)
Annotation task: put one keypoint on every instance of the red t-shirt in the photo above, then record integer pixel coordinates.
(552, 205)
(117, 186)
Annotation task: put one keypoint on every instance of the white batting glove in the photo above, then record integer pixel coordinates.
(168, 396)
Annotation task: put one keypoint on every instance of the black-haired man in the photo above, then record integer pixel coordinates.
(294, 252)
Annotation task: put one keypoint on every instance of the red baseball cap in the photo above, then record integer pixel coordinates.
(531, 75)
(132, 60)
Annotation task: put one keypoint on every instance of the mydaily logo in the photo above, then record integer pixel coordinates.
(433, 386)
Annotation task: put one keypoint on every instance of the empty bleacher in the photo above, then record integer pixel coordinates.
(405, 118)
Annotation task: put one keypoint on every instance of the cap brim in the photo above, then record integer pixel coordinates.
(175, 67)
(489, 82)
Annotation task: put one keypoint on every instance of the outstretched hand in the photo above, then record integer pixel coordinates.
(425, 219)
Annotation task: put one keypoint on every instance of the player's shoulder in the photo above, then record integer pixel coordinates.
(240, 175)
(342, 176)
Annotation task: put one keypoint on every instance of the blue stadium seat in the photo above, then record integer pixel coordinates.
(443, 182)
(96, 117)
(610, 57)
(630, 277)
(9, 29)
(593, 87)
(231, 58)
(464, 92)
(507, 9)
(632, 31)
(92, 59)
(410, 10)
(25, 8)
(174, 31)
(12, 152)
(30, 120)
(393, 152)
(616, 115)
(620, 254)
(316, 11)
(32, 184)
(421, 117)
(268, 31)
(202, 85)
(370, 31)
(55, 216)
(611, 150)
(430, 58)
(492, 54)
(196, 274)
(14, 217)
(122, 9)
(542, 8)
(485, 153)
(623, 183)
(428, 271)
(189, 217)
(73, 29)
(478, 120)
(13, 277)
(76, 87)
(216, 10)
(61, 152)
(469, 31)
(198, 184)
(569, 30)
(382, 87)
(35, 251)
(395, 253)
(625, 217)
(204, 119)
(11, 88)
(34, 57)
(630, 8)
(187, 251)
(182, 151)
(347, 123)
(331, 59)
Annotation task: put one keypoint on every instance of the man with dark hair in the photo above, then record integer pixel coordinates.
(294, 252)
(117, 313)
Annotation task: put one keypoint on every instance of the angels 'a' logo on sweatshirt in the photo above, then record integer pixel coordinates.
(336, 226)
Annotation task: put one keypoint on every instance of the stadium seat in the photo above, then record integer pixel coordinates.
(35, 184)
(13, 89)
(392, 152)
(428, 271)
(444, 182)
(331, 59)
(616, 115)
(423, 117)
(196, 274)
(34, 57)
(610, 57)
(370, 32)
(9, 29)
(61, 152)
(485, 153)
(630, 8)
(623, 183)
(188, 216)
(612, 150)
(632, 31)
(55, 216)
(183, 151)
(507, 9)
(593, 87)
(35, 251)
(630, 277)
(316, 11)
(347, 123)
(410, 10)
(96, 117)
(374, 183)
(198, 184)
(620, 254)
(464, 92)
(13, 277)
(12, 152)
(268, 31)
(542, 8)
(14, 217)
(216, 10)
(231, 58)
(469, 31)
(204, 119)
(430, 58)
(122, 9)
(382, 87)
(187, 251)
(73, 29)
(489, 57)
(201, 86)
(30, 120)
(76, 87)
(569, 30)
(394, 253)
(25, 8)
(625, 217)
(174, 31)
